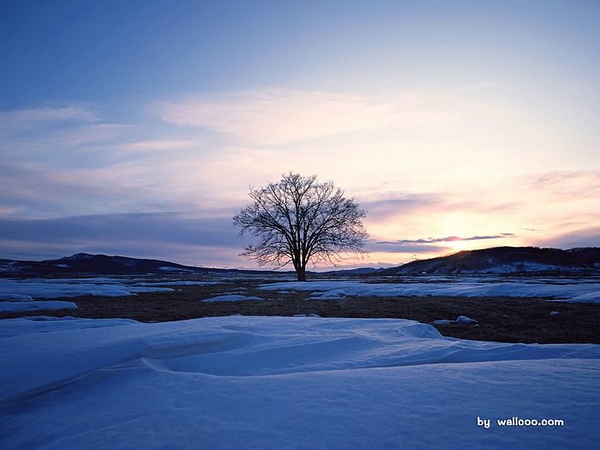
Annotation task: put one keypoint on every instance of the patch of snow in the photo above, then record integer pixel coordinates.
(180, 283)
(443, 322)
(79, 257)
(15, 297)
(173, 269)
(26, 306)
(282, 383)
(571, 291)
(230, 298)
(464, 320)
(526, 266)
(56, 288)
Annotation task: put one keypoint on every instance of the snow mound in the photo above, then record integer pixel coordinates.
(464, 320)
(230, 298)
(277, 383)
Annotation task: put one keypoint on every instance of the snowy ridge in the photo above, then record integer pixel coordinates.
(277, 383)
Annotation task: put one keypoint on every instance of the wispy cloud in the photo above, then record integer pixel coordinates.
(35, 130)
(392, 247)
(569, 184)
(91, 134)
(280, 116)
(402, 204)
(34, 117)
(431, 240)
(158, 145)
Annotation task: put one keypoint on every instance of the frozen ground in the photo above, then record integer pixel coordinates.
(287, 383)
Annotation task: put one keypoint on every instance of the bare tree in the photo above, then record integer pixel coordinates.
(299, 219)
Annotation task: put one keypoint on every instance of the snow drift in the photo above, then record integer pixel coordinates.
(285, 383)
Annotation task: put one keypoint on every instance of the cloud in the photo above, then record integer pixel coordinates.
(401, 204)
(393, 247)
(431, 240)
(25, 119)
(90, 134)
(568, 184)
(167, 235)
(583, 237)
(158, 145)
(38, 191)
(36, 133)
(280, 116)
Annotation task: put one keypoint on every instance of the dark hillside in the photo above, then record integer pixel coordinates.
(85, 264)
(506, 260)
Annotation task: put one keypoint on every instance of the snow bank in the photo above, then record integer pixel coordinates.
(231, 298)
(329, 290)
(286, 383)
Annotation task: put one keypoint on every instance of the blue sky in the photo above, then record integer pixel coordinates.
(137, 127)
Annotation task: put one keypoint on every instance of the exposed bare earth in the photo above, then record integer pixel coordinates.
(505, 319)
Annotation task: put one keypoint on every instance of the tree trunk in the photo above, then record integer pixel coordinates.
(301, 272)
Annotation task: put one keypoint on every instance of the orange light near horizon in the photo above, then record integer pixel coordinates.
(459, 245)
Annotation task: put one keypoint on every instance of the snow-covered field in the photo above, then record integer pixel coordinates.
(287, 383)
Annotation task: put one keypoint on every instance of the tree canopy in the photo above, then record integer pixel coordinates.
(298, 220)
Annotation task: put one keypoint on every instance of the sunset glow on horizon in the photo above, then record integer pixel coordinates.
(136, 128)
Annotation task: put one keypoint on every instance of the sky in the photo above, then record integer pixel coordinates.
(138, 127)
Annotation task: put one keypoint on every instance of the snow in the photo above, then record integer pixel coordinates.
(285, 383)
(20, 295)
(464, 320)
(173, 269)
(443, 322)
(58, 288)
(230, 298)
(26, 306)
(181, 283)
(571, 291)
(525, 266)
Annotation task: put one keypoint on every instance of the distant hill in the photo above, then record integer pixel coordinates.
(501, 260)
(86, 264)
(505, 260)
